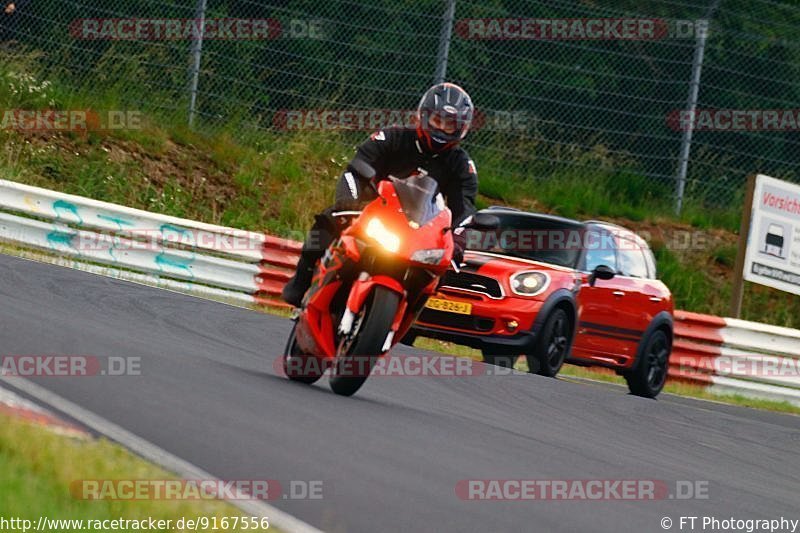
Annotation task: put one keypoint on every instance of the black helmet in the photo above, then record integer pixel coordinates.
(444, 116)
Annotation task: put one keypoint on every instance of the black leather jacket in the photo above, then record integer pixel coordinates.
(397, 151)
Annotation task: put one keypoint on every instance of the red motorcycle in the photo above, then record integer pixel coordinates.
(373, 281)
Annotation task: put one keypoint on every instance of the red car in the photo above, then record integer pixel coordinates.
(555, 290)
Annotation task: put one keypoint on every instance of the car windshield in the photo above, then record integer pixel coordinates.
(538, 238)
(417, 195)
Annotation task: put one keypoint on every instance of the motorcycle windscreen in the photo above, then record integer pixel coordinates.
(417, 195)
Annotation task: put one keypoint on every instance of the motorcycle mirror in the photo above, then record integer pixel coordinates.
(483, 222)
(366, 172)
(363, 168)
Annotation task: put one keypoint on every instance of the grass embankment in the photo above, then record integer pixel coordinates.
(36, 479)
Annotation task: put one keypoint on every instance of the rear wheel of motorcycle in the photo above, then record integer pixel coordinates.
(298, 366)
(352, 367)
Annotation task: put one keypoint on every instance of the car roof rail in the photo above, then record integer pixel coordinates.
(605, 223)
(625, 230)
(503, 207)
(555, 218)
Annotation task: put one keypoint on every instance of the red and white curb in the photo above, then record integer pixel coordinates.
(16, 406)
(186, 470)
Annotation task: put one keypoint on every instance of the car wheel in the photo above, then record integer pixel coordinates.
(647, 378)
(552, 344)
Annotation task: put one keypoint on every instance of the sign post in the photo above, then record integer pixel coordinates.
(744, 234)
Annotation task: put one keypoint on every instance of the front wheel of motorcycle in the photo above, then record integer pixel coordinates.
(358, 352)
(298, 366)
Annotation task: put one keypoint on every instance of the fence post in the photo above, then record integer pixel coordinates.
(196, 53)
(691, 105)
(444, 41)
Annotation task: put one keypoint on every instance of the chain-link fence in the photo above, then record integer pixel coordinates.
(564, 88)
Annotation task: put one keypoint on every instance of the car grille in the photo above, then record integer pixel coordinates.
(468, 281)
(455, 320)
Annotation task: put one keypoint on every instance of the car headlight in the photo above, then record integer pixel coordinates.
(431, 256)
(385, 238)
(529, 283)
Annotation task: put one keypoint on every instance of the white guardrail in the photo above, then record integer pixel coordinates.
(727, 355)
(130, 243)
(760, 359)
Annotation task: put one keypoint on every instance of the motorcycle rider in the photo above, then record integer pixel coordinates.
(444, 116)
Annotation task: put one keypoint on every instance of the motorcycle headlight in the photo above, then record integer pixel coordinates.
(431, 256)
(385, 238)
(529, 283)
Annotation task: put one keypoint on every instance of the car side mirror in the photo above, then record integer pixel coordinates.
(483, 222)
(363, 168)
(601, 272)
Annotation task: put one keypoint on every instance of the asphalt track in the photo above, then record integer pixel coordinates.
(390, 457)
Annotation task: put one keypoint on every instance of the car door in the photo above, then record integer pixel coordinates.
(601, 335)
(633, 288)
(657, 297)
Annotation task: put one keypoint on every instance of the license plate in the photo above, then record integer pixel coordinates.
(462, 308)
